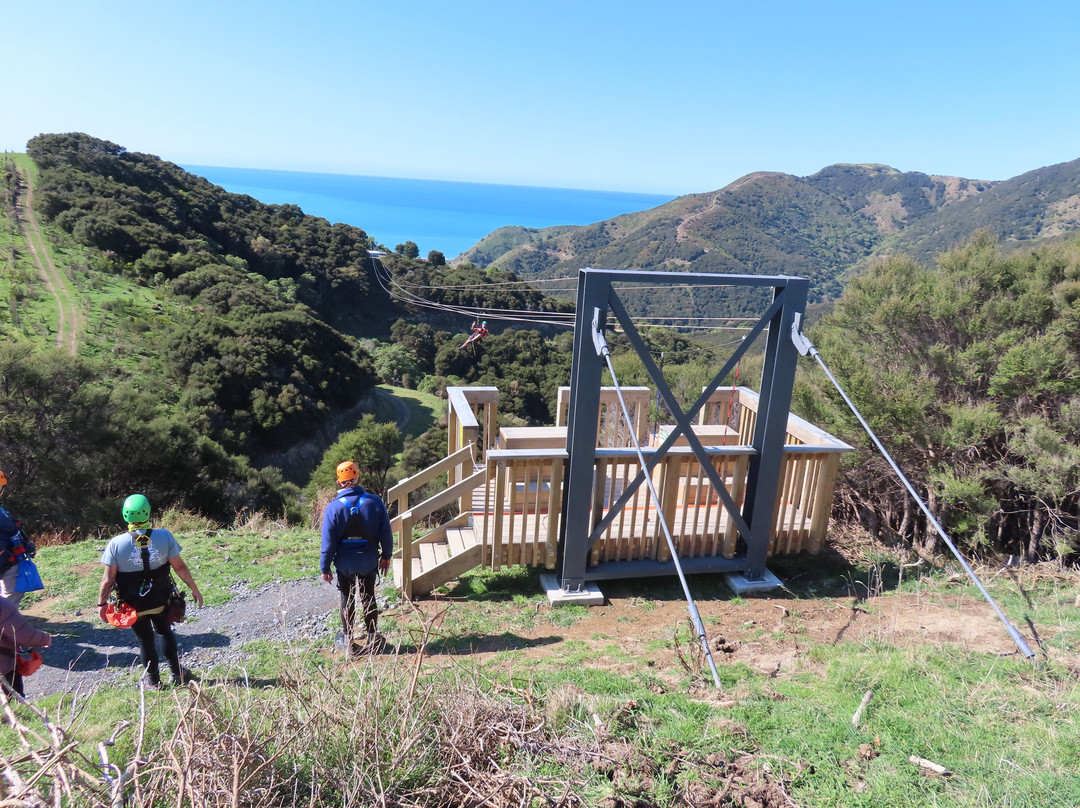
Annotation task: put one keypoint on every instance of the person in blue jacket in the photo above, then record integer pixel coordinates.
(9, 559)
(357, 540)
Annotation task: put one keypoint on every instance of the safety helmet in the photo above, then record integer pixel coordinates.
(120, 615)
(3, 479)
(347, 472)
(136, 509)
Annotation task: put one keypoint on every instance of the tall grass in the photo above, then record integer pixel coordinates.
(554, 719)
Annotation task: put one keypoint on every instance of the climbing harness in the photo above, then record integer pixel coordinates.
(143, 589)
(806, 347)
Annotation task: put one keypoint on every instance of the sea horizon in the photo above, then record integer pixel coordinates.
(444, 215)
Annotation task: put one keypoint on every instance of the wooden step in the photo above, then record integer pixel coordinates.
(435, 563)
(455, 538)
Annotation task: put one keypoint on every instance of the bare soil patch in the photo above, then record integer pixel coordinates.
(770, 634)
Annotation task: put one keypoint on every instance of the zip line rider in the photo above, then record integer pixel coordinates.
(358, 541)
(138, 564)
(479, 331)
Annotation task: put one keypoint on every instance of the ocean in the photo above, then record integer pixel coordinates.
(437, 215)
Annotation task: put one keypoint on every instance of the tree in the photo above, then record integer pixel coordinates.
(78, 440)
(408, 249)
(970, 374)
(436, 258)
(372, 446)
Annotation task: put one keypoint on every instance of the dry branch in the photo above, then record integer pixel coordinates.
(930, 766)
(862, 706)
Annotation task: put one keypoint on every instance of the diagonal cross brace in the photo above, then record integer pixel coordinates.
(683, 421)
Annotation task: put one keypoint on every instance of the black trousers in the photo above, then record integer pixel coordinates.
(15, 681)
(144, 629)
(362, 588)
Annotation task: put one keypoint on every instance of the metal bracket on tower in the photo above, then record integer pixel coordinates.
(598, 334)
(804, 346)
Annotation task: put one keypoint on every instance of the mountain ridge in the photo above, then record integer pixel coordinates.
(821, 226)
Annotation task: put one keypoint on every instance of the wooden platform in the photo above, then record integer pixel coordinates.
(705, 529)
(509, 483)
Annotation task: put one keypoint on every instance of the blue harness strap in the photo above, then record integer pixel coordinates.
(354, 541)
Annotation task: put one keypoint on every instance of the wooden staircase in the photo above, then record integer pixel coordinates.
(449, 554)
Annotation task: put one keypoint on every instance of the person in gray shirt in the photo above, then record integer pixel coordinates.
(138, 564)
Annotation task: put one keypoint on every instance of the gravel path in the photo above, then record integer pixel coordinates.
(86, 652)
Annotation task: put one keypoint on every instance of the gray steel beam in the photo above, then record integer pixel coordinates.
(770, 432)
(596, 295)
(586, 375)
(648, 568)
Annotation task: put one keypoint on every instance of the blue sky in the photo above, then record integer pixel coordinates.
(631, 96)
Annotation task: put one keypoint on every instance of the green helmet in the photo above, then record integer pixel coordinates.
(136, 509)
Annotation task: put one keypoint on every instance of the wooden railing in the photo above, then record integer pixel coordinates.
(513, 497)
(471, 418)
(520, 520)
(612, 430)
(807, 479)
(525, 529)
(458, 466)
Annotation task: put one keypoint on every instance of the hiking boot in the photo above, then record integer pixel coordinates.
(375, 642)
(184, 677)
(359, 649)
(147, 683)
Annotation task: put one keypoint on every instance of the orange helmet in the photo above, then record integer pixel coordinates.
(347, 472)
(3, 479)
(120, 615)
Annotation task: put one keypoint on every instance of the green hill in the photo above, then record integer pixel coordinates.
(214, 347)
(817, 227)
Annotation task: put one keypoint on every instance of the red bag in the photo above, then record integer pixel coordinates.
(120, 615)
(27, 665)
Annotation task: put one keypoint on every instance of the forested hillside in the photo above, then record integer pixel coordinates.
(817, 227)
(225, 343)
(970, 373)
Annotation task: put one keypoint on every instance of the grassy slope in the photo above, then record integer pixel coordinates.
(1004, 727)
(116, 310)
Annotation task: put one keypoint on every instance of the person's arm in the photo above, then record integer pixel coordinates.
(107, 580)
(330, 532)
(18, 628)
(181, 569)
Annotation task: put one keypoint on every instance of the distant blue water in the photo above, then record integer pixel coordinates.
(446, 216)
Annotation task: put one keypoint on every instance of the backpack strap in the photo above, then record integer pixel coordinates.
(353, 525)
(142, 541)
(353, 509)
(145, 596)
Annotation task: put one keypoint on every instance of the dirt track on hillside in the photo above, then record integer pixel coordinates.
(69, 322)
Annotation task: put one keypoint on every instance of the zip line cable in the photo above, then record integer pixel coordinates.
(805, 347)
(695, 617)
(389, 284)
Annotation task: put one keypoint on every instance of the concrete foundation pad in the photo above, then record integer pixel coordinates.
(589, 596)
(740, 584)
